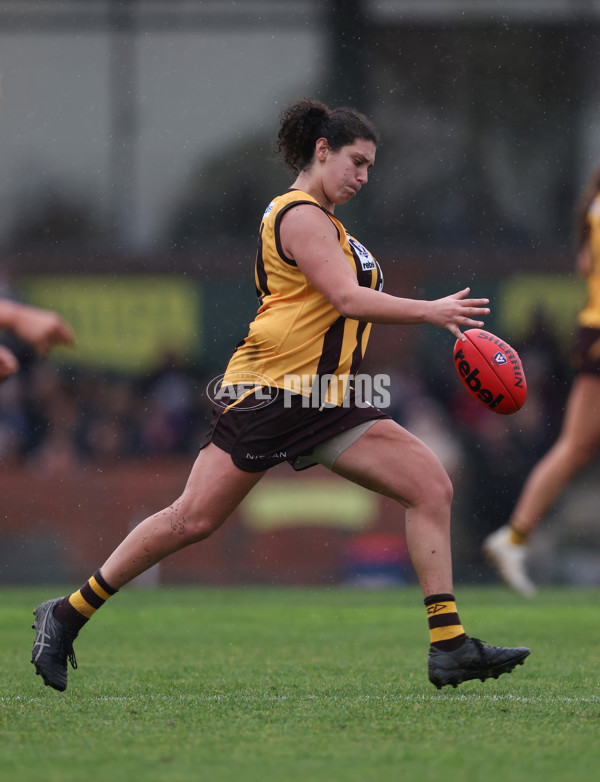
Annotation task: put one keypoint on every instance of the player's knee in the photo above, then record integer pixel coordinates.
(440, 491)
(192, 520)
(432, 490)
(201, 529)
(201, 526)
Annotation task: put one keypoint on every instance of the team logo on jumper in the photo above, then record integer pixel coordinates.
(259, 390)
(499, 359)
(367, 261)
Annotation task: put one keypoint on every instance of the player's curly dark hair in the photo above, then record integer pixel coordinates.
(305, 120)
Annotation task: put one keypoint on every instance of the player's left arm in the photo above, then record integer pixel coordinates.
(309, 237)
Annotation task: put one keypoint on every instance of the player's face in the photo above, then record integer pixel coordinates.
(347, 170)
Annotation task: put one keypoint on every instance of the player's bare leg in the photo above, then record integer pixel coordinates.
(213, 491)
(507, 548)
(392, 462)
(389, 460)
(575, 447)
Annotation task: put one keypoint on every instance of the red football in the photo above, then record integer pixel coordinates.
(491, 371)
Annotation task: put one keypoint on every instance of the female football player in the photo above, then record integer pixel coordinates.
(287, 396)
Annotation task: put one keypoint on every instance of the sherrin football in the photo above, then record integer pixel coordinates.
(491, 371)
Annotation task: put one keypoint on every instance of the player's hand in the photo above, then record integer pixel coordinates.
(43, 329)
(8, 363)
(456, 310)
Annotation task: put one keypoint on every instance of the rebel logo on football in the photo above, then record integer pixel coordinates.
(471, 379)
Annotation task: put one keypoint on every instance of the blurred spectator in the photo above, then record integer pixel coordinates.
(54, 414)
(53, 418)
(14, 421)
(172, 408)
(109, 426)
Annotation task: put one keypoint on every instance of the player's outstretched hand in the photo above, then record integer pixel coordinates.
(8, 363)
(42, 329)
(454, 311)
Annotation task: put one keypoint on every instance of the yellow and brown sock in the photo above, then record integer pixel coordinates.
(517, 537)
(445, 630)
(76, 609)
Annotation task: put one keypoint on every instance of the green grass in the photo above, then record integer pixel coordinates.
(182, 684)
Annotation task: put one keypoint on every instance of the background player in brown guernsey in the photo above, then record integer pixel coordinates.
(319, 291)
(507, 548)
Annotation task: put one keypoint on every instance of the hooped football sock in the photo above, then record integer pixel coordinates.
(445, 630)
(76, 609)
(517, 537)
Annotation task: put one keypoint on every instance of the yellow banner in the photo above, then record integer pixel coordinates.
(126, 323)
(334, 503)
(522, 295)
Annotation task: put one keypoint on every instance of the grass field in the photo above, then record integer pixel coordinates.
(318, 685)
